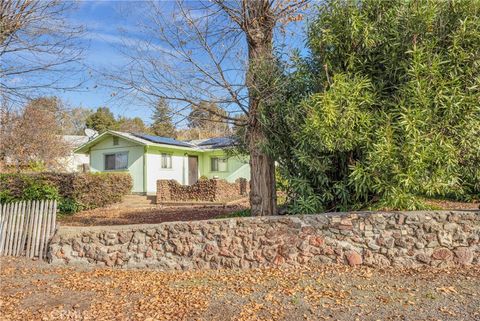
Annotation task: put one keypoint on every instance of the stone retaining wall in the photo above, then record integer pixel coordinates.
(206, 190)
(409, 239)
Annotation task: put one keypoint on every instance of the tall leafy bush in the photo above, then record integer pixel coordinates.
(386, 107)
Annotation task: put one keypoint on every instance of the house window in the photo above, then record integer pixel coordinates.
(166, 161)
(116, 161)
(115, 141)
(219, 164)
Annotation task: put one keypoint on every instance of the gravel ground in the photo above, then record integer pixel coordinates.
(152, 215)
(122, 213)
(34, 290)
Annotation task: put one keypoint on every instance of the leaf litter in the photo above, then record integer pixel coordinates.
(37, 291)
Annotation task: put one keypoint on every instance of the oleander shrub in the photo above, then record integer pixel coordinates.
(73, 192)
(385, 108)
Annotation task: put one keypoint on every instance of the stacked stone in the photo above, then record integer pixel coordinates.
(377, 239)
(172, 191)
(208, 190)
(225, 191)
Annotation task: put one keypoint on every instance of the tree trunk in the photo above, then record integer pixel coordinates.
(263, 199)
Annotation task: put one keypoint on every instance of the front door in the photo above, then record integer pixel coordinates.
(192, 169)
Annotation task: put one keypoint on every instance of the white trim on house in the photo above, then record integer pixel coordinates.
(145, 158)
(130, 137)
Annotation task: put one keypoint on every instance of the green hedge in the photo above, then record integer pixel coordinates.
(74, 192)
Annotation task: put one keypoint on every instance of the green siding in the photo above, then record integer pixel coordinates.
(237, 166)
(144, 163)
(135, 159)
(178, 172)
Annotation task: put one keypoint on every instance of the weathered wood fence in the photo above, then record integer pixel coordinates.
(26, 228)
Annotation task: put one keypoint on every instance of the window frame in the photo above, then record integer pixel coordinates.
(116, 141)
(168, 157)
(217, 170)
(115, 154)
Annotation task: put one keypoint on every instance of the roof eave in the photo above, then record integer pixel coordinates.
(215, 148)
(174, 147)
(83, 149)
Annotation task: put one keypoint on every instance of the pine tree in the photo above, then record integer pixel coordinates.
(208, 120)
(101, 120)
(162, 121)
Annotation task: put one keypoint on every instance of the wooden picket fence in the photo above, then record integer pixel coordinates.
(26, 228)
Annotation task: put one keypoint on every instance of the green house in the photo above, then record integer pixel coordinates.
(149, 158)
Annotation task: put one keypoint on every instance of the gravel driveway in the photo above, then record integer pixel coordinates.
(32, 290)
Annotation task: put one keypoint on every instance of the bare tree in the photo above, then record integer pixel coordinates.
(6, 124)
(212, 52)
(73, 120)
(204, 122)
(38, 48)
(32, 138)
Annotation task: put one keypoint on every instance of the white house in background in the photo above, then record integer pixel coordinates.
(75, 162)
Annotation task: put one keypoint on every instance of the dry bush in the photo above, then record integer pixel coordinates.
(89, 190)
(100, 189)
(31, 139)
